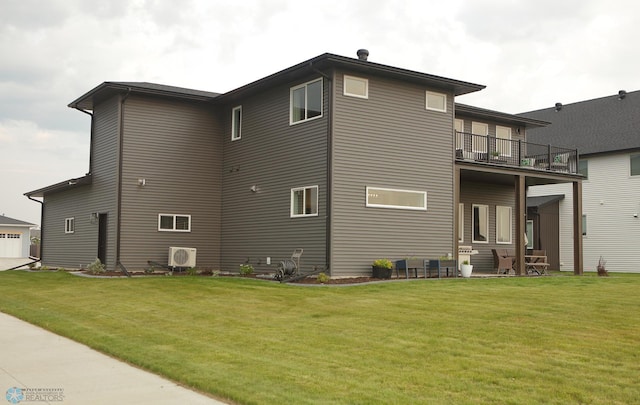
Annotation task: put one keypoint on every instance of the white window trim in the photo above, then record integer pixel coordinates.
(631, 157)
(291, 205)
(70, 225)
(510, 241)
(461, 222)
(434, 93)
(533, 234)
(508, 142)
(233, 124)
(475, 140)
(397, 207)
(174, 223)
(473, 221)
(360, 79)
(292, 89)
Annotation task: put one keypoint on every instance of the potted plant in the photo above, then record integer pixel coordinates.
(466, 269)
(381, 268)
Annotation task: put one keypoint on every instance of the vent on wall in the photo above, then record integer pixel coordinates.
(182, 257)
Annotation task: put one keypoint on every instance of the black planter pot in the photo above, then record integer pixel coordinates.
(381, 272)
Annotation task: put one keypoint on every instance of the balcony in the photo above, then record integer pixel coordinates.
(515, 153)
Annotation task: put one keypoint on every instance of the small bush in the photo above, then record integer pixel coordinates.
(246, 269)
(323, 278)
(96, 267)
(385, 263)
(192, 271)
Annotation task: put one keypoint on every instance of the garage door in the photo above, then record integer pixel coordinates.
(10, 244)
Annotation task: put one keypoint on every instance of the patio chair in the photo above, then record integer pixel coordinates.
(502, 261)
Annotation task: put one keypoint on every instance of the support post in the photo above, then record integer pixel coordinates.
(578, 265)
(520, 216)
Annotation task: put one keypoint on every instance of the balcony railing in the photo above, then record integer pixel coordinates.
(515, 153)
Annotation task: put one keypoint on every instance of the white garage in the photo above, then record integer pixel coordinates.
(15, 237)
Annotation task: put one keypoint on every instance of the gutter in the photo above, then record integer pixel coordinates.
(90, 137)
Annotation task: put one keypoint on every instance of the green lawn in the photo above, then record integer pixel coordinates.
(563, 339)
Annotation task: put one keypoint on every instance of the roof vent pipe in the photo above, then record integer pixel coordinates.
(622, 94)
(363, 54)
(558, 106)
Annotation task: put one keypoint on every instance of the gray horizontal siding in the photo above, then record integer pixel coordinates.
(275, 157)
(389, 140)
(80, 248)
(175, 146)
(491, 195)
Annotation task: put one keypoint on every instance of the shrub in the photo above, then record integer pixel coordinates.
(246, 269)
(384, 263)
(323, 278)
(192, 271)
(96, 267)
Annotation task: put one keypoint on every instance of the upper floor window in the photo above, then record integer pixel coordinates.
(304, 202)
(400, 199)
(356, 87)
(236, 123)
(69, 225)
(479, 143)
(174, 223)
(436, 101)
(635, 164)
(306, 101)
(503, 140)
(583, 167)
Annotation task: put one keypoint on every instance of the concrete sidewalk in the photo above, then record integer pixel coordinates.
(47, 368)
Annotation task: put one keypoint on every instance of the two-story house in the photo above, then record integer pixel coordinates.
(347, 159)
(606, 132)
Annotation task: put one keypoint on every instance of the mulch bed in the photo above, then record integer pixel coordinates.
(307, 280)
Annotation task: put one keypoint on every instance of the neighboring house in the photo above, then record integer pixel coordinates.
(347, 159)
(15, 237)
(606, 131)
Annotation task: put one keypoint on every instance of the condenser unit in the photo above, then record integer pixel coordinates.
(182, 257)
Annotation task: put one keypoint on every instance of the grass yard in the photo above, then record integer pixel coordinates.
(561, 339)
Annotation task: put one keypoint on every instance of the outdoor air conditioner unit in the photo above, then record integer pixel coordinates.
(182, 257)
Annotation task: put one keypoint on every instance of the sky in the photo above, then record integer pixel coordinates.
(529, 53)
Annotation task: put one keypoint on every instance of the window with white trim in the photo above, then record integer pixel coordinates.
(69, 225)
(236, 123)
(529, 232)
(479, 143)
(458, 126)
(398, 199)
(480, 220)
(461, 222)
(356, 87)
(503, 224)
(503, 140)
(584, 224)
(174, 223)
(304, 202)
(436, 101)
(306, 102)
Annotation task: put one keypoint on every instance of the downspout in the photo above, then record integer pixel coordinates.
(41, 224)
(90, 138)
(328, 234)
(119, 197)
